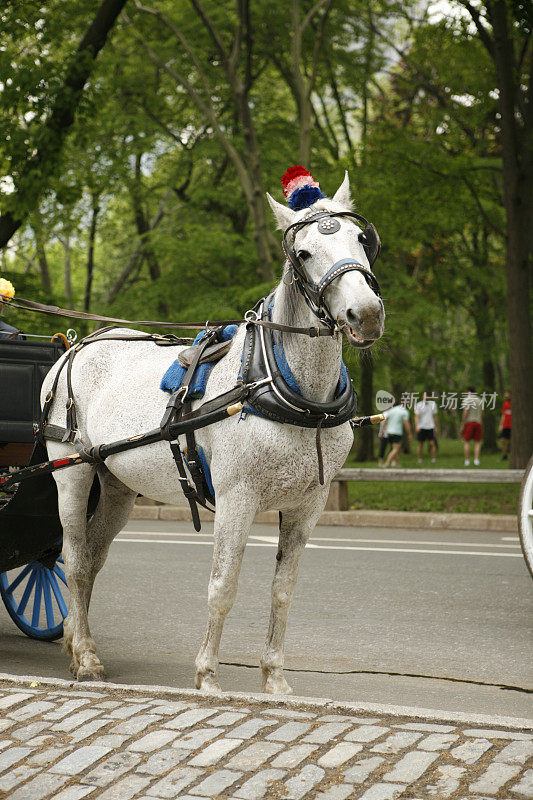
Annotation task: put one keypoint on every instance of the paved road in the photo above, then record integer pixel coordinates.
(429, 619)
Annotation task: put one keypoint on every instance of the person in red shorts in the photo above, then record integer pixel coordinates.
(505, 425)
(471, 427)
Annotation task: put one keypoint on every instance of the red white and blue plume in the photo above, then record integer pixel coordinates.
(300, 188)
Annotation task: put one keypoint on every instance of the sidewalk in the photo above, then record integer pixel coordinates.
(71, 741)
(360, 518)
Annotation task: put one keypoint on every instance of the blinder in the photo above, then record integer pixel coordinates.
(328, 223)
(370, 240)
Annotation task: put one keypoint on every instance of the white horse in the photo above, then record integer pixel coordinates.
(256, 464)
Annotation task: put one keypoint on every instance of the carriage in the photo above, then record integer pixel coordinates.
(302, 389)
(32, 581)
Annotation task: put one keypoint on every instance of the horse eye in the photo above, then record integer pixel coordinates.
(303, 255)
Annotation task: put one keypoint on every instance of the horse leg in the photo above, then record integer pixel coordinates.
(73, 493)
(111, 515)
(295, 529)
(85, 547)
(232, 525)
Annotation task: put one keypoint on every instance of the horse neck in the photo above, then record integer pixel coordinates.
(315, 363)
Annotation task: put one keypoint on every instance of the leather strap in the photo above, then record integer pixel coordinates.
(71, 432)
(314, 331)
(48, 400)
(41, 308)
(186, 488)
(176, 401)
(193, 460)
(319, 457)
(211, 353)
(338, 269)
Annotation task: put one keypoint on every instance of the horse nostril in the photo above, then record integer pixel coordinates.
(352, 318)
(367, 323)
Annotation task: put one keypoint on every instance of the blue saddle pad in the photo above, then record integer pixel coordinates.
(174, 375)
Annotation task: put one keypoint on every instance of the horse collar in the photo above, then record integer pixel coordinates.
(272, 397)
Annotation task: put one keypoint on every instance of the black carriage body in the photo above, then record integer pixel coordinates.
(23, 366)
(30, 529)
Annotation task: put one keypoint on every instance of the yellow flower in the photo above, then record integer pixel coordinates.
(7, 290)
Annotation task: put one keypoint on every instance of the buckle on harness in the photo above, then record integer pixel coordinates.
(181, 394)
(249, 318)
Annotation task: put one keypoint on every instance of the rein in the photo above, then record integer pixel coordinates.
(23, 304)
(313, 293)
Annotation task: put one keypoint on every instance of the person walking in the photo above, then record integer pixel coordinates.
(505, 425)
(383, 437)
(426, 426)
(471, 424)
(397, 422)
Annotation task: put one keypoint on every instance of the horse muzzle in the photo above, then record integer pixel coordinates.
(363, 327)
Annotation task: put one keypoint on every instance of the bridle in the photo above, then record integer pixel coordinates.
(313, 293)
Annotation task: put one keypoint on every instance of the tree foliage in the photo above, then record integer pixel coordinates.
(155, 202)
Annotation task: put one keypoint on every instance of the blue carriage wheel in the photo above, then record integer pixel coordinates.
(33, 596)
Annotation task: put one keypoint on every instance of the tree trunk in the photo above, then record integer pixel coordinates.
(484, 322)
(365, 447)
(135, 260)
(47, 148)
(90, 256)
(265, 265)
(517, 156)
(304, 151)
(519, 321)
(67, 271)
(42, 260)
(302, 83)
(247, 165)
(489, 417)
(143, 229)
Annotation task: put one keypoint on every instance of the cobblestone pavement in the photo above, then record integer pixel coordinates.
(71, 742)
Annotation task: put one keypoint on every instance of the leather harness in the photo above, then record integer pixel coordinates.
(260, 382)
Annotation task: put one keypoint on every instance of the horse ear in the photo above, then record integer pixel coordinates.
(284, 215)
(342, 195)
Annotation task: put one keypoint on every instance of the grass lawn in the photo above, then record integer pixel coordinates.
(482, 498)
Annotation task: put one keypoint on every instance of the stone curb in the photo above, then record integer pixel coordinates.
(284, 701)
(357, 518)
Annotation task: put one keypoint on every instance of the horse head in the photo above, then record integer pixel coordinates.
(330, 252)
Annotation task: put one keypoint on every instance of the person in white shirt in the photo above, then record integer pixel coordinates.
(397, 422)
(426, 424)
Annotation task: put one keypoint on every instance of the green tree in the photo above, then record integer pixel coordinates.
(45, 119)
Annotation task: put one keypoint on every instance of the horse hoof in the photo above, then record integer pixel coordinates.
(208, 684)
(91, 674)
(276, 685)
